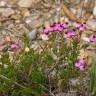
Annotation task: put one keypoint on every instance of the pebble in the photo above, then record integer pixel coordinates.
(36, 23)
(56, 18)
(72, 93)
(25, 12)
(32, 35)
(94, 11)
(91, 24)
(5, 32)
(34, 46)
(27, 3)
(8, 12)
(2, 3)
(74, 82)
(44, 37)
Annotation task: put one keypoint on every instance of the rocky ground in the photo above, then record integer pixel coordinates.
(18, 16)
(30, 16)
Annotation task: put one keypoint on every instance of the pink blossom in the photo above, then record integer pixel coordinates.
(77, 25)
(80, 64)
(15, 46)
(71, 34)
(84, 25)
(80, 26)
(82, 68)
(48, 30)
(65, 25)
(92, 38)
(57, 27)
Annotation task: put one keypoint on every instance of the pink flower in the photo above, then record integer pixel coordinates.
(65, 25)
(80, 64)
(15, 46)
(48, 30)
(57, 27)
(77, 25)
(80, 26)
(92, 38)
(71, 34)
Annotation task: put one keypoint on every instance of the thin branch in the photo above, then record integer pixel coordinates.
(53, 67)
(4, 77)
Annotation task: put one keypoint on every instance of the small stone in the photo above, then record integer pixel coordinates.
(27, 3)
(91, 24)
(70, 93)
(35, 23)
(34, 46)
(2, 3)
(44, 37)
(56, 18)
(94, 11)
(74, 82)
(25, 12)
(5, 66)
(8, 12)
(86, 39)
(16, 16)
(32, 35)
(28, 21)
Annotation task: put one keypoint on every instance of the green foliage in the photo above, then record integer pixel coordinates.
(48, 58)
(25, 39)
(5, 58)
(27, 74)
(93, 80)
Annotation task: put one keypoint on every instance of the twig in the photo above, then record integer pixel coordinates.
(69, 13)
(56, 64)
(51, 94)
(4, 77)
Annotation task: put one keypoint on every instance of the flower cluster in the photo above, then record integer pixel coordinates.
(62, 26)
(56, 27)
(80, 64)
(80, 27)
